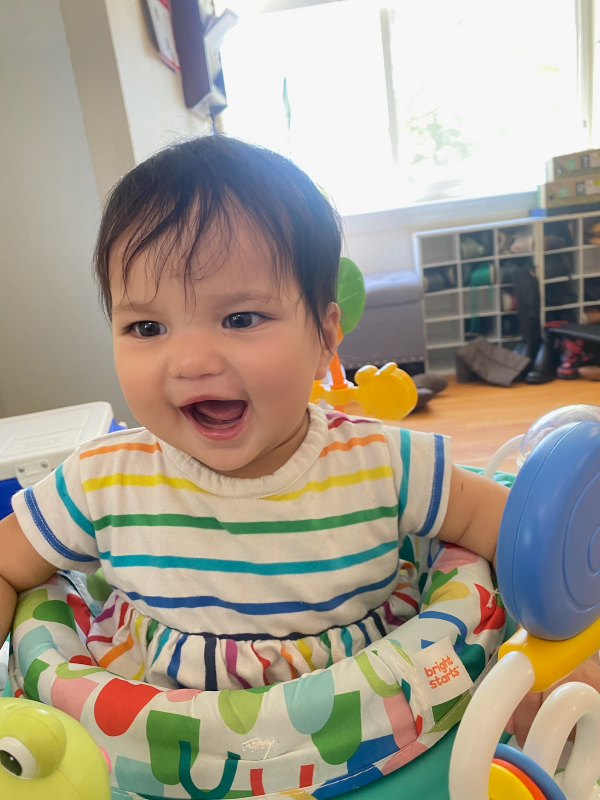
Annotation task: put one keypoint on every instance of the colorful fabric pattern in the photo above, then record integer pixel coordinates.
(221, 583)
(314, 737)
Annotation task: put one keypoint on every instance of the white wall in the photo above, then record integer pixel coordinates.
(55, 348)
(94, 65)
(69, 128)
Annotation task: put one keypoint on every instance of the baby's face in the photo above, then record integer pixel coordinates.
(225, 373)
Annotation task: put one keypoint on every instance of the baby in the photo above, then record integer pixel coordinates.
(250, 537)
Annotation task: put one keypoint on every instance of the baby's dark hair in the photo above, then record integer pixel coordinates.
(193, 187)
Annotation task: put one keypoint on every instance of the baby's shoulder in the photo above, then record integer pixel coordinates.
(344, 427)
(125, 444)
(352, 434)
(355, 436)
(119, 439)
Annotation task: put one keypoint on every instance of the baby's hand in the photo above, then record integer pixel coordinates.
(521, 721)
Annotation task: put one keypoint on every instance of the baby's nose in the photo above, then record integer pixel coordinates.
(194, 355)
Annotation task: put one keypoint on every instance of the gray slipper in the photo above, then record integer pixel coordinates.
(437, 383)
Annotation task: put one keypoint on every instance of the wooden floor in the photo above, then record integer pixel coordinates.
(480, 418)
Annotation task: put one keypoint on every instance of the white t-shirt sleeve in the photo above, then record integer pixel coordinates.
(55, 518)
(422, 466)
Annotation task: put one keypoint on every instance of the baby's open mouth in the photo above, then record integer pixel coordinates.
(216, 414)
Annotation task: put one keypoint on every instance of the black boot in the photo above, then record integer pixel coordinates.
(544, 366)
(527, 294)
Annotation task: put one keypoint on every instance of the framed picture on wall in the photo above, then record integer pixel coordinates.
(158, 20)
(198, 37)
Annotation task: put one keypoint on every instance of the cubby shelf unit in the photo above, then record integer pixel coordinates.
(464, 295)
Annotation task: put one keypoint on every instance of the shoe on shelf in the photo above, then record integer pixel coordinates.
(572, 357)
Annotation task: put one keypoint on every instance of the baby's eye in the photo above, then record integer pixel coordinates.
(147, 328)
(243, 319)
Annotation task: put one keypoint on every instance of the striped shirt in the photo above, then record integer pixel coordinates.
(311, 546)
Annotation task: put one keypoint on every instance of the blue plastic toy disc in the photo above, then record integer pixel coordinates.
(548, 559)
(539, 776)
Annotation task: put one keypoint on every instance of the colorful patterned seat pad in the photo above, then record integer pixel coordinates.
(317, 736)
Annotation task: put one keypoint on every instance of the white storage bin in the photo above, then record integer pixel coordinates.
(32, 445)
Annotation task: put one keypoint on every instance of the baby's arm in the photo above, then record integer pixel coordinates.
(475, 506)
(21, 567)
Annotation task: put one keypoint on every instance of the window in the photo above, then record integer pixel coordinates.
(385, 104)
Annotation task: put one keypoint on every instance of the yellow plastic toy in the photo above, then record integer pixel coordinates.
(47, 755)
(387, 393)
(504, 784)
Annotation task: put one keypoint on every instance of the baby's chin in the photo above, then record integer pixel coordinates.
(239, 457)
(229, 461)
(239, 468)
(227, 457)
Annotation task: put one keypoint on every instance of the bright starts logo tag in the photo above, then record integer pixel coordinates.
(441, 672)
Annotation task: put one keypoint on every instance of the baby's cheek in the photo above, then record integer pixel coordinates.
(139, 386)
(133, 382)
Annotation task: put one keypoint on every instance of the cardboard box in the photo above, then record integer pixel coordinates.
(570, 192)
(574, 165)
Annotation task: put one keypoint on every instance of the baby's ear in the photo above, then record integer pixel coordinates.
(332, 335)
(332, 330)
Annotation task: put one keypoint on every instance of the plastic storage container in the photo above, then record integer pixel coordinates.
(32, 445)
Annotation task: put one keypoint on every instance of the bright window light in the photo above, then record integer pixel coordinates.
(385, 105)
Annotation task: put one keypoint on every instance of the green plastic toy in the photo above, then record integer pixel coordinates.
(351, 294)
(47, 755)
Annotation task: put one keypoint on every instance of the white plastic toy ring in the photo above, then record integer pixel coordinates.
(483, 724)
(570, 704)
